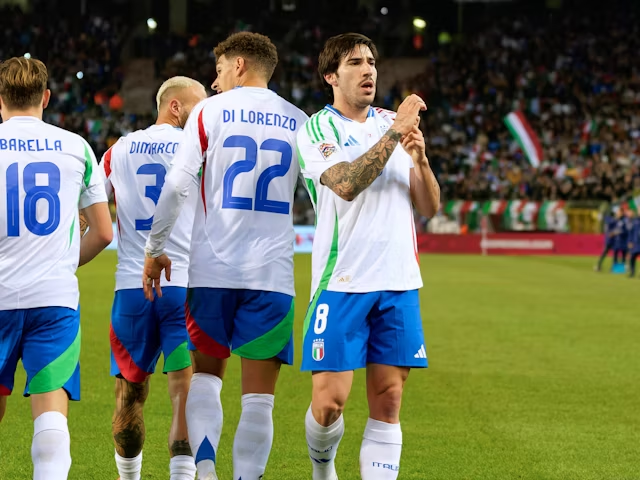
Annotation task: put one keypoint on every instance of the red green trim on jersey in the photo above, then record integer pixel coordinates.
(335, 130)
(271, 343)
(312, 191)
(178, 359)
(57, 373)
(326, 278)
(88, 166)
(204, 146)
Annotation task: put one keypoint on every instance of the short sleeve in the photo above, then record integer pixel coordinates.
(319, 146)
(110, 158)
(92, 190)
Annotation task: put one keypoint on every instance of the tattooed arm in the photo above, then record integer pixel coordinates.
(348, 180)
(83, 224)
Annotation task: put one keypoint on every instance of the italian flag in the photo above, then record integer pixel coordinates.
(494, 207)
(588, 128)
(525, 136)
(634, 204)
(546, 215)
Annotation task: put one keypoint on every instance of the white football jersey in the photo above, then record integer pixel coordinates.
(46, 174)
(135, 169)
(369, 244)
(244, 142)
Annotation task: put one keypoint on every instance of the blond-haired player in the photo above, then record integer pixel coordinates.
(46, 175)
(135, 169)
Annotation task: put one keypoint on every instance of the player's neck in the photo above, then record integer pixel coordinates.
(29, 112)
(169, 120)
(252, 81)
(357, 114)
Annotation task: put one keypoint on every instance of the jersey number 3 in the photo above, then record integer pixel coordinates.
(47, 193)
(262, 203)
(151, 191)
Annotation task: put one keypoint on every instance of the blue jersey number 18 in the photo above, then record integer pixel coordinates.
(48, 193)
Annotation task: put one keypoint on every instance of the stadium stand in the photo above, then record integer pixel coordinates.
(575, 78)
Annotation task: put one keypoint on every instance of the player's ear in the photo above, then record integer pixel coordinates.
(240, 66)
(331, 79)
(45, 98)
(174, 107)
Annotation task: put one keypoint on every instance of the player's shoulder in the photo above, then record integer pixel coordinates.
(72, 143)
(383, 113)
(292, 109)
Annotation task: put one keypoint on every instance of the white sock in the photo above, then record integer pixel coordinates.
(182, 467)
(254, 437)
(204, 421)
(380, 451)
(51, 447)
(323, 445)
(129, 468)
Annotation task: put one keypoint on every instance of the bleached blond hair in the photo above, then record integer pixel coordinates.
(174, 82)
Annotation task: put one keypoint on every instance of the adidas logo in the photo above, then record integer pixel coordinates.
(422, 353)
(351, 142)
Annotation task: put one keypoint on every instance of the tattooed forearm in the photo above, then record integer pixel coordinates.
(348, 180)
(180, 447)
(128, 421)
(83, 225)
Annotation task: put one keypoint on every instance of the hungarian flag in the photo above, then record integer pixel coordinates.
(529, 142)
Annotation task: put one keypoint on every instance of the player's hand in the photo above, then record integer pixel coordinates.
(407, 116)
(151, 275)
(413, 144)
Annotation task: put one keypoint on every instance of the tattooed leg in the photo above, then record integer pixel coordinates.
(179, 383)
(128, 421)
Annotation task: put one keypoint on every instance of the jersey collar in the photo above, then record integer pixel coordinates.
(336, 112)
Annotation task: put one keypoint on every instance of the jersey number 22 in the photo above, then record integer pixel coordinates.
(262, 203)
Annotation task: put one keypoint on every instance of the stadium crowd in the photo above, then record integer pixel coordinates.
(577, 80)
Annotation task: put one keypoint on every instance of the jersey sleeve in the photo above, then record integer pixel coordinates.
(106, 165)
(319, 148)
(184, 171)
(92, 190)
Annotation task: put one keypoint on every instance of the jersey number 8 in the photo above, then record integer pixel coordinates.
(322, 312)
(48, 193)
(262, 203)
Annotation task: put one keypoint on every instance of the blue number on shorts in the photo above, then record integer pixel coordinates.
(34, 192)
(262, 204)
(151, 191)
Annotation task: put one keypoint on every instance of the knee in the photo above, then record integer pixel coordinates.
(385, 403)
(327, 409)
(130, 395)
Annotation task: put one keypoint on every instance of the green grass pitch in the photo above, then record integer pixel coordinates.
(534, 374)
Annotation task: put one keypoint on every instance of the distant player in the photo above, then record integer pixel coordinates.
(44, 170)
(621, 238)
(634, 242)
(609, 239)
(241, 288)
(365, 169)
(135, 169)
